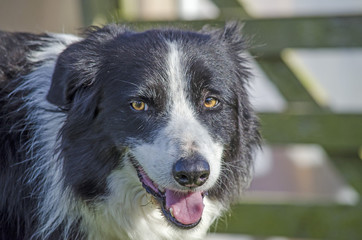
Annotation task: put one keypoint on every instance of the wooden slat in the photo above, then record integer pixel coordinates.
(271, 36)
(334, 131)
(351, 170)
(299, 99)
(274, 35)
(299, 221)
(230, 9)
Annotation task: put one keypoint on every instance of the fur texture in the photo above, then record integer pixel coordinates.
(78, 160)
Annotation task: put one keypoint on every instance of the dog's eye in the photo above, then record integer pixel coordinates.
(211, 102)
(139, 106)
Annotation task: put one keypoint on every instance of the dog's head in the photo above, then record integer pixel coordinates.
(171, 104)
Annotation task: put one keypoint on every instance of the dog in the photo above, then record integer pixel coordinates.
(120, 134)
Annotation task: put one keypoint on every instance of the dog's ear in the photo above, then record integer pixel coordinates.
(74, 69)
(58, 92)
(231, 35)
(235, 45)
(78, 64)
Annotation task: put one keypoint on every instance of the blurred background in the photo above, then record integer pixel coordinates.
(307, 89)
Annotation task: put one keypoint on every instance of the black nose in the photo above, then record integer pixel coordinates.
(191, 172)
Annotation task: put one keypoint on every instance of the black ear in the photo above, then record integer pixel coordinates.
(231, 38)
(230, 34)
(76, 67)
(58, 92)
(233, 32)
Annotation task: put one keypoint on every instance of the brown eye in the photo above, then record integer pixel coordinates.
(211, 102)
(139, 106)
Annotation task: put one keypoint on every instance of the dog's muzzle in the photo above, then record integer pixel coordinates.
(184, 206)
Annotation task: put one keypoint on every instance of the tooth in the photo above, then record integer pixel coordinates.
(171, 211)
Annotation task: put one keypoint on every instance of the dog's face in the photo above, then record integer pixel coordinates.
(170, 104)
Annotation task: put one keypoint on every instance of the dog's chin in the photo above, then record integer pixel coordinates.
(182, 209)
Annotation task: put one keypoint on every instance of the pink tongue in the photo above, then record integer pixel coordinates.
(186, 207)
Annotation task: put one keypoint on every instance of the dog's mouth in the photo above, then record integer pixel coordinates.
(183, 209)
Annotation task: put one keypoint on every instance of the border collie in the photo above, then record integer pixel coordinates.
(122, 134)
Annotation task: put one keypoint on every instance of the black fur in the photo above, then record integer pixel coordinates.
(92, 85)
